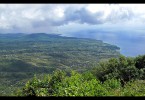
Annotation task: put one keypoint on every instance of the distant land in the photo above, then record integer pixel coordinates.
(23, 55)
(131, 43)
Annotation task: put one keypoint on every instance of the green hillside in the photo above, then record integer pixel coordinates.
(23, 55)
(123, 76)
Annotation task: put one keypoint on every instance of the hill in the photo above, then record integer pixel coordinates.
(23, 55)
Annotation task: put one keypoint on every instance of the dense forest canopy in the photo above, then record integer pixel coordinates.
(116, 77)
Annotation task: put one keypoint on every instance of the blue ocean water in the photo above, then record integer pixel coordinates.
(130, 44)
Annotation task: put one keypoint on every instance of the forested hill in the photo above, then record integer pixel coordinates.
(50, 50)
(54, 51)
(23, 55)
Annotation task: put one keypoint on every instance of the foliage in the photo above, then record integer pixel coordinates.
(134, 88)
(23, 55)
(74, 85)
(61, 67)
(78, 85)
(140, 62)
(115, 77)
(121, 68)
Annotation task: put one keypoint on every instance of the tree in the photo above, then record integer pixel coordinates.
(122, 68)
(140, 62)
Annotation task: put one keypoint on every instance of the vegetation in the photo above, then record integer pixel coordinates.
(23, 55)
(52, 65)
(115, 77)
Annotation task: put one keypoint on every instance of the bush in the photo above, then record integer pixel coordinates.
(140, 62)
(122, 68)
(134, 88)
(115, 77)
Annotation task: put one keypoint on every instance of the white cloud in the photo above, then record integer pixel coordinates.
(45, 17)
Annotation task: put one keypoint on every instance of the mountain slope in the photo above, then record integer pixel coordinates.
(23, 55)
(59, 51)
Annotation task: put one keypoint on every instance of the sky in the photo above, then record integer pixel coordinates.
(119, 24)
(65, 18)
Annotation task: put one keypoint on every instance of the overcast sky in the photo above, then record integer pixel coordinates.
(119, 24)
(67, 18)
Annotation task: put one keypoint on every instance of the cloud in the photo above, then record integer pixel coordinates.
(83, 16)
(49, 17)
